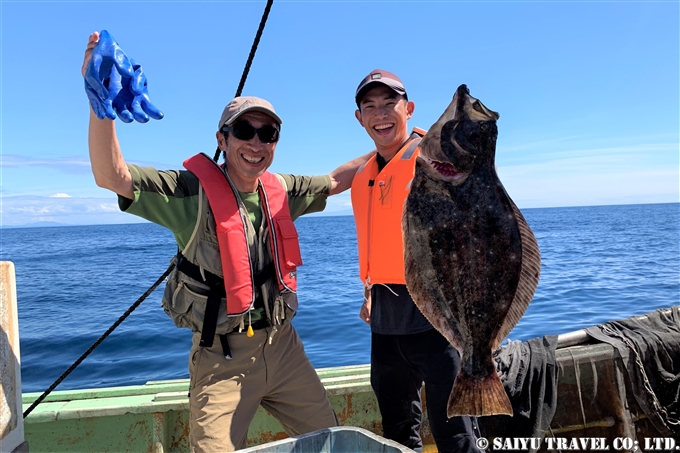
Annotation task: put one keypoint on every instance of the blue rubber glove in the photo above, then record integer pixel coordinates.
(132, 101)
(105, 56)
(115, 84)
(101, 108)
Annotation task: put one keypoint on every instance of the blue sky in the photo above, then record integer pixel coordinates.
(588, 92)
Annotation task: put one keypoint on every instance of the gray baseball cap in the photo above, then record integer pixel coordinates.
(242, 104)
(379, 77)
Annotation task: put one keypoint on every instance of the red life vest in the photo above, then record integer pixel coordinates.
(237, 270)
(378, 201)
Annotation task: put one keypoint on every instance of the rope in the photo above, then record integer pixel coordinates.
(102, 338)
(251, 56)
(153, 287)
(253, 49)
(668, 421)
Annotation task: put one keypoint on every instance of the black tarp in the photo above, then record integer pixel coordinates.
(649, 347)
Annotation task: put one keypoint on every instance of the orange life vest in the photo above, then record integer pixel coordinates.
(378, 202)
(231, 233)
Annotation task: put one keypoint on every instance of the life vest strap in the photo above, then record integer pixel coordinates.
(215, 295)
(213, 281)
(415, 142)
(226, 350)
(212, 309)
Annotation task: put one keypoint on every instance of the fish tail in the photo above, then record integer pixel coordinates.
(478, 397)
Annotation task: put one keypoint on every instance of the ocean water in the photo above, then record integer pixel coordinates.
(598, 264)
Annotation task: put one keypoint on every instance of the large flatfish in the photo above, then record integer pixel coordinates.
(472, 262)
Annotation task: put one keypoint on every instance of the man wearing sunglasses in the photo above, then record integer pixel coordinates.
(235, 277)
(405, 349)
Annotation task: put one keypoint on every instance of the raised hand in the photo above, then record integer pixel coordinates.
(114, 83)
(105, 56)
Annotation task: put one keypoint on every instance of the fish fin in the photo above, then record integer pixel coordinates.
(478, 397)
(528, 279)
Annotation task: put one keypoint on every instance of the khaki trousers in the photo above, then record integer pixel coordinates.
(224, 394)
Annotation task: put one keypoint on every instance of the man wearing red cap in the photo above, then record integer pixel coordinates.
(405, 349)
(235, 276)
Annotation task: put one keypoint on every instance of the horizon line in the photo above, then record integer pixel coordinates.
(48, 224)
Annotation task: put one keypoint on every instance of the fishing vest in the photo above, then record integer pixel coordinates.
(226, 264)
(378, 201)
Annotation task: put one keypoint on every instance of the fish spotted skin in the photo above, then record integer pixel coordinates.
(471, 261)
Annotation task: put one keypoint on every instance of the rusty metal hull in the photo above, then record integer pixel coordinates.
(594, 400)
(155, 417)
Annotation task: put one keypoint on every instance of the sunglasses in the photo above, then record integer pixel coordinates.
(245, 131)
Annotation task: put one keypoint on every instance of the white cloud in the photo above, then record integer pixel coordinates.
(547, 152)
(60, 195)
(66, 164)
(25, 210)
(570, 183)
(37, 210)
(631, 174)
(103, 207)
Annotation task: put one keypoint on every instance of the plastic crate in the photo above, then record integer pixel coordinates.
(341, 439)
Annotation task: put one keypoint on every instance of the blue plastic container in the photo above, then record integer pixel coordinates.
(341, 439)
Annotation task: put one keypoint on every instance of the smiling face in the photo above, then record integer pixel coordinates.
(384, 113)
(247, 160)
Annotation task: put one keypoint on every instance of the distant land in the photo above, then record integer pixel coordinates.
(59, 224)
(37, 225)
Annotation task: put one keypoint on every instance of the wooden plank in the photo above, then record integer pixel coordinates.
(11, 420)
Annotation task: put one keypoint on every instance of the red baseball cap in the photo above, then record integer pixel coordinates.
(379, 77)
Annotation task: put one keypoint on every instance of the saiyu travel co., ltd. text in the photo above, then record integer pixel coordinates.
(579, 444)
